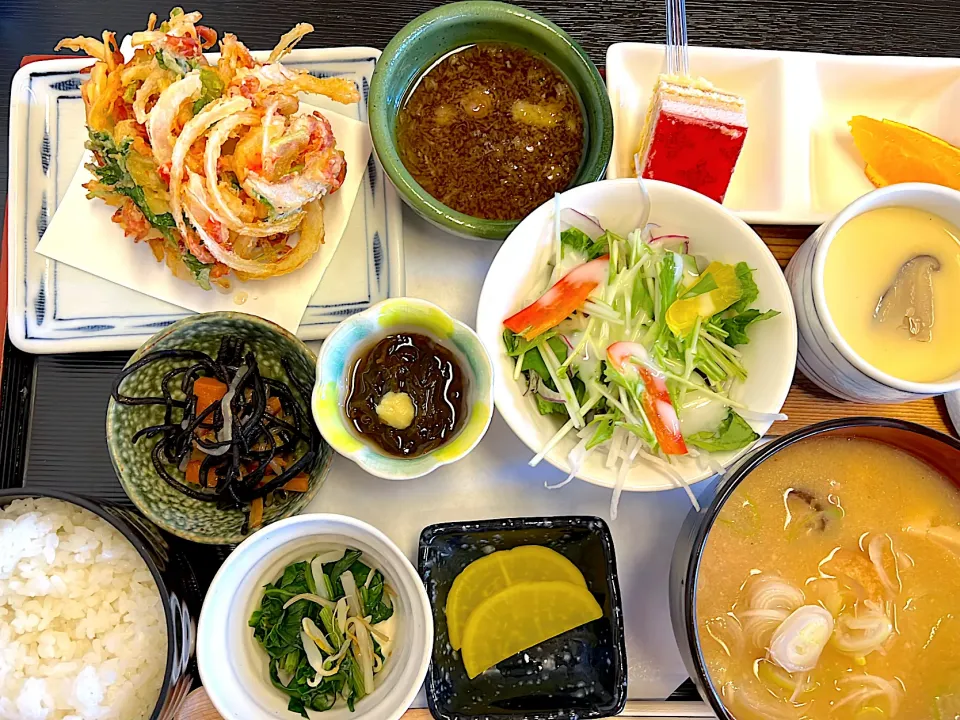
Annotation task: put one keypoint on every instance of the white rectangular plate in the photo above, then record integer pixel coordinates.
(799, 165)
(54, 308)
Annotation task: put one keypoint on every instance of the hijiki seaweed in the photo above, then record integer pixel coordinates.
(249, 444)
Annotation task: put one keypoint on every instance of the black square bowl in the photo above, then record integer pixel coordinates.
(579, 674)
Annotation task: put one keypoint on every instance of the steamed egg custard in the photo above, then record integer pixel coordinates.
(828, 587)
(892, 286)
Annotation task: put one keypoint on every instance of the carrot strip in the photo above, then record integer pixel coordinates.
(208, 391)
(193, 472)
(256, 513)
(300, 483)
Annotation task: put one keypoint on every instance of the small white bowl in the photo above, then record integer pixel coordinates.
(234, 667)
(714, 232)
(824, 356)
(359, 331)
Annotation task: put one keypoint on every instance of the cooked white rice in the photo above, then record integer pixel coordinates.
(82, 629)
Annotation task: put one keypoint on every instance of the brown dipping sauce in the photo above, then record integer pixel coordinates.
(492, 131)
(428, 373)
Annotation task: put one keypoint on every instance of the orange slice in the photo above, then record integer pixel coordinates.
(896, 153)
(876, 178)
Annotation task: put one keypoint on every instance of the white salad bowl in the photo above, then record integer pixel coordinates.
(715, 234)
(234, 667)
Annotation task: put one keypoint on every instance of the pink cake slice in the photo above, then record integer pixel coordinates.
(693, 135)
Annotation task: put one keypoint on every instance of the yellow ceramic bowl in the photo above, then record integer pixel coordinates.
(361, 331)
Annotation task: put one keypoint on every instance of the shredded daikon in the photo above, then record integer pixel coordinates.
(622, 478)
(575, 459)
(668, 470)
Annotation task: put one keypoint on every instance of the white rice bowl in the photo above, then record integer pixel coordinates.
(82, 627)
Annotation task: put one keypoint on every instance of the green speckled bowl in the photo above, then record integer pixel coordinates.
(359, 332)
(183, 516)
(428, 38)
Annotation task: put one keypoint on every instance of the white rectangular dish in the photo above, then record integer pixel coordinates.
(54, 308)
(799, 165)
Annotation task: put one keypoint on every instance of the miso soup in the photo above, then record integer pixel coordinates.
(830, 587)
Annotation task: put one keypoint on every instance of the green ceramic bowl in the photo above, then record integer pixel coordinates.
(435, 33)
(183, 516)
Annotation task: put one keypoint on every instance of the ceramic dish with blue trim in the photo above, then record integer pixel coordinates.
(54, 308)
(186, 517)
(360, 332)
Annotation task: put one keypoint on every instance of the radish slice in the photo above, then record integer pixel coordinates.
(586, 224)
(548, 394)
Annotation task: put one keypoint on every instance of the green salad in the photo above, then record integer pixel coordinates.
(635, 342)
(318, 624)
